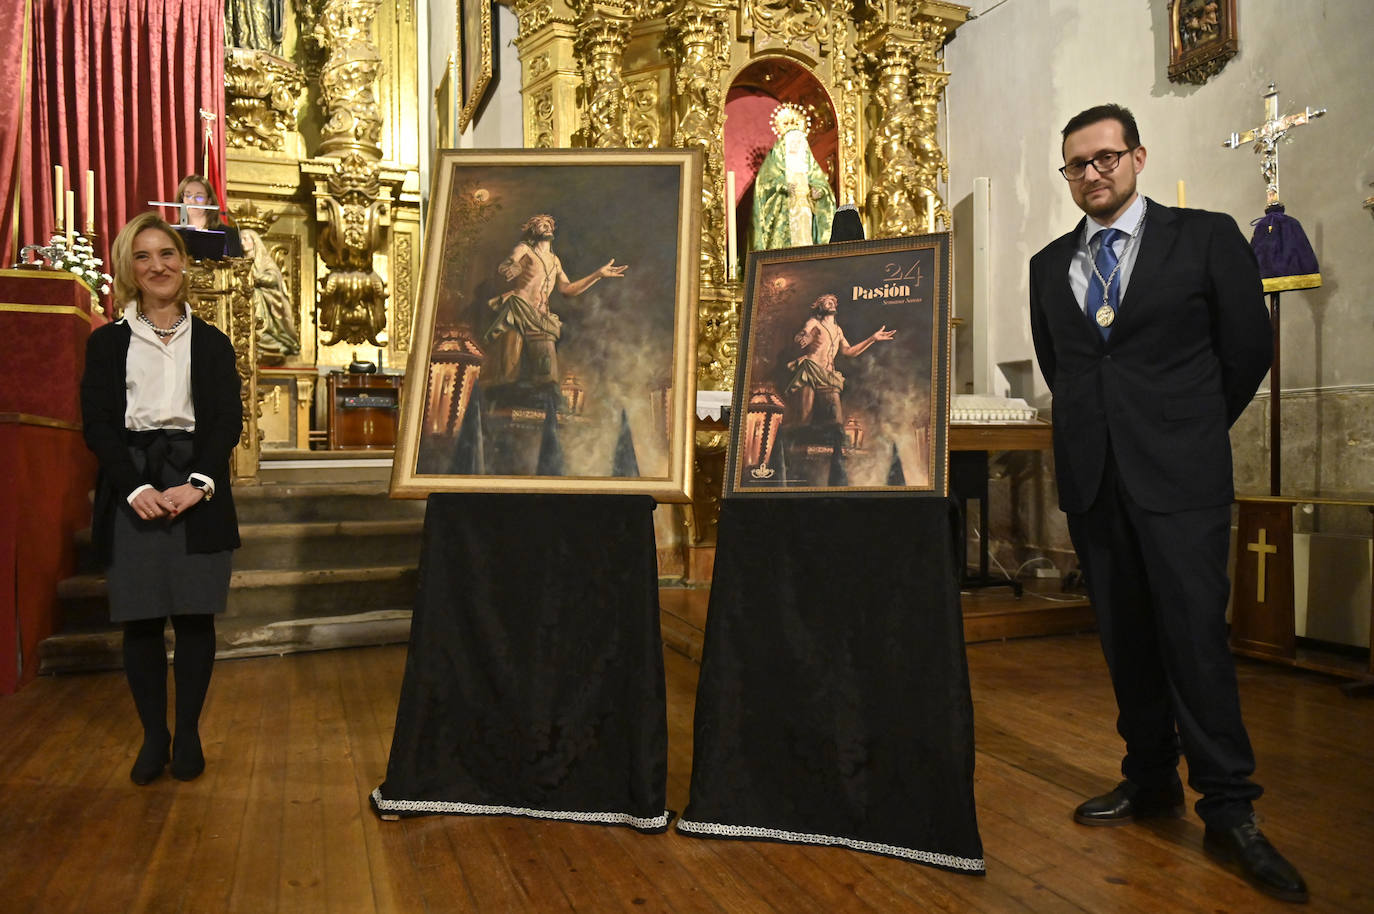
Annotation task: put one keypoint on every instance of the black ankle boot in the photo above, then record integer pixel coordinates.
(188, 760)
(151, 761)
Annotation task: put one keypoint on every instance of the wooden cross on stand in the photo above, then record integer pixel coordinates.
(1266, 138)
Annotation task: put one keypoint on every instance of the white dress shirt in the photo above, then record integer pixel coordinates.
(157, 383)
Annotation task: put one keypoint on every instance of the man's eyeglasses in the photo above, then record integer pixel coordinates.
(1104, 163)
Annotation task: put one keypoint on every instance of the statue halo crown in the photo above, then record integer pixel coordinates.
(788, 116)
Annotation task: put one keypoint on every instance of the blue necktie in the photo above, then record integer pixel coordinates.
(1106, 263)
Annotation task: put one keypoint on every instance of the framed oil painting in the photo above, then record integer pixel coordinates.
(476, 56)
(842, 384)
(555, 337)
(1202, 38)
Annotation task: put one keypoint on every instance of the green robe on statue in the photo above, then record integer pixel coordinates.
(793, 202)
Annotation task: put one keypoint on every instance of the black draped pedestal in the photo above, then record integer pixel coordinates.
(833, 706)
(534, 684)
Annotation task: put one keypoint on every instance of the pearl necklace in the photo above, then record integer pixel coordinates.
(163, 334)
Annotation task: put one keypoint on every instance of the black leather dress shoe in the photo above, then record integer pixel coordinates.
(1128, 802)
(1246, 850)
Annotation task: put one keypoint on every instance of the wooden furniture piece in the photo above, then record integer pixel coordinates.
(46, 317)
(1262, 603)
(363, 410)
(969, 444)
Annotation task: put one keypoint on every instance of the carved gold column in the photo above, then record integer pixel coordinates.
(221, 293)
(348, 79)
(603, 30)
(352, 202)
(904, 164)
(697, 42)
(551, 75)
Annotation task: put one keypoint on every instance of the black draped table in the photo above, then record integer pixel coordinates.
(534, 685)
(833, 706)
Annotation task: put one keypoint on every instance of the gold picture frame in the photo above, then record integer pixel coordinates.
(1202, 38)
(446, 106)
(476, 59)
(558, 356)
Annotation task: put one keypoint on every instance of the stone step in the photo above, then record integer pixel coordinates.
(236, 637)
(297, 502)
(308, 545)
(278, 594)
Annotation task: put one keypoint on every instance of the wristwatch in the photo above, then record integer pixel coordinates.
(203, 486)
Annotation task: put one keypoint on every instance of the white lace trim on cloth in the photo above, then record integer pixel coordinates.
(969, 864)
(473, 809)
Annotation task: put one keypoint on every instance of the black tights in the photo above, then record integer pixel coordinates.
(145, 665)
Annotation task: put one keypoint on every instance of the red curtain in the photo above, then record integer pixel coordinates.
(116, 87)
(13, 92)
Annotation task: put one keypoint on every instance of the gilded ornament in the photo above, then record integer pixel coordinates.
(356, 211)
(405, 296)
(600, 48)
(642, 122)
(347, 80)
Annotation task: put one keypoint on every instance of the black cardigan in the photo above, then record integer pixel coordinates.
(211, 526)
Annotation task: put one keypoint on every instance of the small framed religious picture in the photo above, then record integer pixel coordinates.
(477, 58)
(554, 347)
(842, 382)
(1202, 38)
(446, 108)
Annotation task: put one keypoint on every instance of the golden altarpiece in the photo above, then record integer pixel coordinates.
(323, 159)
(323, 125)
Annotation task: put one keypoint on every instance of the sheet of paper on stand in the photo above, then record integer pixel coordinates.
(986, 408)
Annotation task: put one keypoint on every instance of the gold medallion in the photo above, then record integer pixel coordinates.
(1105, 315)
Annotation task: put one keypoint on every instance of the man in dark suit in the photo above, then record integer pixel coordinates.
(1150, 328)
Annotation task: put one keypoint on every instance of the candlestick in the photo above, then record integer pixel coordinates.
(1182, 197)
(71, 216)
(90, 201)
(59, 208)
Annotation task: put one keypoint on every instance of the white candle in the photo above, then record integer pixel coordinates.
(90, 202)
(930, 211)
(731, 255)
(1182, 198)
(58, 207)
(71, 215)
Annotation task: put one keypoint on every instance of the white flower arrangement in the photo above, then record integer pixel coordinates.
(79, 260)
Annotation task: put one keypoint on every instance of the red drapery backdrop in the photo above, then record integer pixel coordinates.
(116, 87)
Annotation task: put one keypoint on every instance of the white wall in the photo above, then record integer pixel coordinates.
(1022, 68)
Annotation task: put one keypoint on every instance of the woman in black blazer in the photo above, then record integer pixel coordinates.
(161, 410)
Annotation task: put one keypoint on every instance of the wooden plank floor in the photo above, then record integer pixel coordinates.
(280, 821)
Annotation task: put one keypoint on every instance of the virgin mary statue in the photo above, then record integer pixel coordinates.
(793, 202)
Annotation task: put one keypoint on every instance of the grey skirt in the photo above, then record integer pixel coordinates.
(151, 575)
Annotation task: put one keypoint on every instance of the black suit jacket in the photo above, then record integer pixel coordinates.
(1190, 345)
(211, 526)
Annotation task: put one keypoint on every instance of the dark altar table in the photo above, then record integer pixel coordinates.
(534, 684)
(833, 705)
